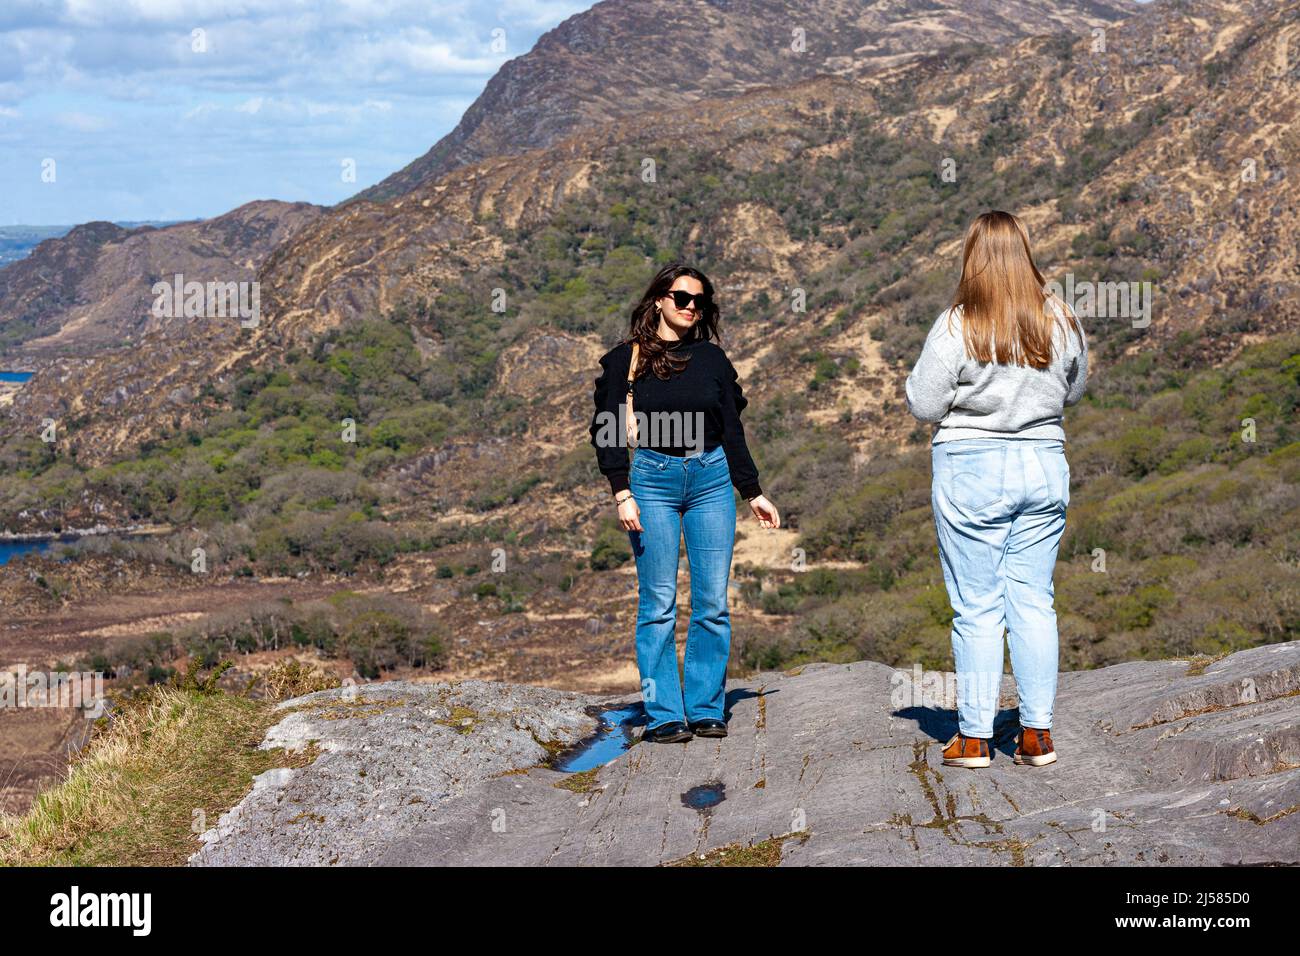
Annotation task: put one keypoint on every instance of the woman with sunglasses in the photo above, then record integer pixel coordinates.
(682, 415)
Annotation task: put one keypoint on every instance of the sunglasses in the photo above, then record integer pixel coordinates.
(683, 299)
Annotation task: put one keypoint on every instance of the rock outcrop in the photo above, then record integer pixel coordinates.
(1165, 762)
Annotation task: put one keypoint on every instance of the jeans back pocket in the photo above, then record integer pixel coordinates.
(1056, 471)
(976, 475)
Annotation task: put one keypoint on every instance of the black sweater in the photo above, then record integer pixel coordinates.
(708, 384)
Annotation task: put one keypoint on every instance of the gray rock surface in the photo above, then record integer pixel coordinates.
(391, 756)
(1160, 763)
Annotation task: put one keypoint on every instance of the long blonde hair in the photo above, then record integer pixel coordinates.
(1005, 316)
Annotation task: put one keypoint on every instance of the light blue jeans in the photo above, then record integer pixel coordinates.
(691, 494)
(999, 510)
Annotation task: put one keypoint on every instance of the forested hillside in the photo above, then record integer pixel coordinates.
(825, 213)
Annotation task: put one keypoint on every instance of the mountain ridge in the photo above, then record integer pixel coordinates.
(93, 287)
(531, 103)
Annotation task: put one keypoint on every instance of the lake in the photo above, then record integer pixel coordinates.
(11, 549)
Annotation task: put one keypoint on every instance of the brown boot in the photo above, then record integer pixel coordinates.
(966, 752)
(1034, 747)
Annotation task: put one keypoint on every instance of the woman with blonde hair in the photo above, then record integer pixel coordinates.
(994, 376)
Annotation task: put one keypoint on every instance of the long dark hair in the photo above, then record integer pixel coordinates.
(654, 355)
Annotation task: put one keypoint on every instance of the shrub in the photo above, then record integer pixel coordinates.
(610, 549)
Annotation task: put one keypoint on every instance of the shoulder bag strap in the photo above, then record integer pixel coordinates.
(631, 376)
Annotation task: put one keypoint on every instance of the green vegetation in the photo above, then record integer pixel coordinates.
(611, 548)
(376, 632)
(1197, 528)
(273, 473)
(583, 782)
(166, 763)
(1194, 521)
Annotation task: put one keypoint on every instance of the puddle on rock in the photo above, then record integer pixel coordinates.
(705, 797)
(615, 736)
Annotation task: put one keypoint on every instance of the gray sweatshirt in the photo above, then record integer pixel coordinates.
(965, 399)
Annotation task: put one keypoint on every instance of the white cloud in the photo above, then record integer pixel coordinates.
(83, 122)
(289, 107)
(419, 51)
(284, 88)
(255, 44)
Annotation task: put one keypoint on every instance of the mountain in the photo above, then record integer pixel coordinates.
(91, 288)
(631, 57)
(17, 241)
(1168, 150)
(588, 71)
(361, 257)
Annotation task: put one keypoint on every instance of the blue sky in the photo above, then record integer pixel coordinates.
(142, 125)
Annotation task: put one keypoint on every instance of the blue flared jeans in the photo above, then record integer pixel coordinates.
(999, 510)
(692, 495)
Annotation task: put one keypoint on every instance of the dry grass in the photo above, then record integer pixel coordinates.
(584, 782)
(762, 854)
(293, 678)
(165, 767)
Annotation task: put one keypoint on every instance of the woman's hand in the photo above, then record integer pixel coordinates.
(629, 514)
(765, 512)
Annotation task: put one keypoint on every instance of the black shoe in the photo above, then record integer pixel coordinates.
(709, 728)
(670, 733)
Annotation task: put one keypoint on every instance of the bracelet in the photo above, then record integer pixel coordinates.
(627, 497)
